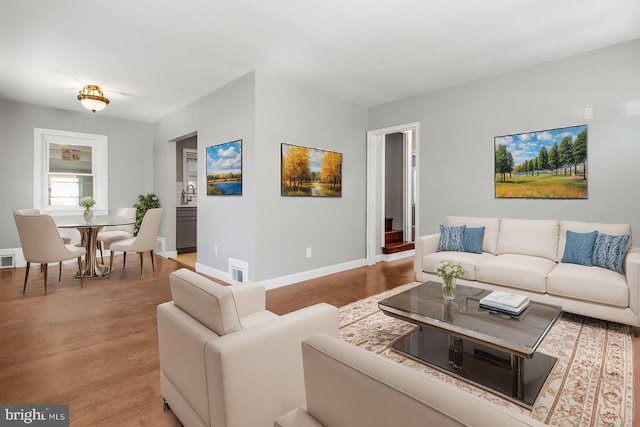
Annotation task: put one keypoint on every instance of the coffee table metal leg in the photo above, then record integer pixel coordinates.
(517, 372)
(456, 352)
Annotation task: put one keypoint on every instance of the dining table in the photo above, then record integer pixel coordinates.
(89, 238)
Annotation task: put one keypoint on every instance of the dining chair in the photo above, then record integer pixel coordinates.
(144, 241)
(41, 243)
(110, 234)
(30, 211)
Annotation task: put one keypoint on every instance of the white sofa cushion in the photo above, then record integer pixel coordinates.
(593, 284)
(491, 229)
(585, 227)
(538, 238)
(516, 271)
(467, 259)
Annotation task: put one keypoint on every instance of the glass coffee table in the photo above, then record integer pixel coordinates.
(494, 351)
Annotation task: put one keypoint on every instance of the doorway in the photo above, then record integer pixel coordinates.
(402, 139)
(186, 198)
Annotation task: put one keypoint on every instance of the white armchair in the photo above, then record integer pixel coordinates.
(225, 361)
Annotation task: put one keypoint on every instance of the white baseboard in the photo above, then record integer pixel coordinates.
(398, 255)
(213, 272)
(311, 274)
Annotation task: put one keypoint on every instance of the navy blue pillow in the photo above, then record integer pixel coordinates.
(472, 239)
(451, 238)
(579, 248)
(608, 251)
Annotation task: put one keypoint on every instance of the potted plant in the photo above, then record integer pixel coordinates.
(145, 202)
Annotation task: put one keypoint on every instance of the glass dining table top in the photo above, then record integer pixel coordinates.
(97, 221)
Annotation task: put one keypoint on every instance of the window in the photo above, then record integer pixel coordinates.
(67, 167)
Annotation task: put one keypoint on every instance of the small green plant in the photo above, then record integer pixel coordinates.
(145, 202)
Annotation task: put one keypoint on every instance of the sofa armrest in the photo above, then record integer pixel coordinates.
(296, 418)
(255, 375)
(181, 343)
(249, 297)
(424, 245)
(632, 275)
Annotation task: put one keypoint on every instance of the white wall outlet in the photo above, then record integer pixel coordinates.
(309, 252)
(215, 249)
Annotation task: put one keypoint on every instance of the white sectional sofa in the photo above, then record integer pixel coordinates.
(348, 386)
(526, 256)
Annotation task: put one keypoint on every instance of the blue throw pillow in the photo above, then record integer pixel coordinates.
(472, 239)
(579, 248)
(451, 238)
(608, 251)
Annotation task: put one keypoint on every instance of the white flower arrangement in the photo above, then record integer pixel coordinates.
(87, 202)
(448, 270)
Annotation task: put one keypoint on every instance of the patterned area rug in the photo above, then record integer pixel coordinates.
(591, 384)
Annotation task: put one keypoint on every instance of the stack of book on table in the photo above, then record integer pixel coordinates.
(505, 302)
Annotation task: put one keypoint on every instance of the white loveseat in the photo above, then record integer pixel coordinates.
(349, 386)
(525, 256)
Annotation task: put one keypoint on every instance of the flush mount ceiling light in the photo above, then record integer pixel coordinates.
(92, 98)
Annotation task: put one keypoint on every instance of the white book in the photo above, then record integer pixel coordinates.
(503, 299)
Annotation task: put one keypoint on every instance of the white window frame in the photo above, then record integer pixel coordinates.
(100, 166)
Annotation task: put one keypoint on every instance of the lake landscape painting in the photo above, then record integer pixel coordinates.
(310, 172)
(224, 169)
(547, 164)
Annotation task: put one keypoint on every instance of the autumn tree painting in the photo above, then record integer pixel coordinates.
(310, 172)
(549, 164)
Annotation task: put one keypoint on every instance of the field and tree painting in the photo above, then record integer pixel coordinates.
(310, 172)
(224, 169)
(549, 164)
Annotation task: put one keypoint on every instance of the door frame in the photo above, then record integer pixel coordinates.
(375, 187)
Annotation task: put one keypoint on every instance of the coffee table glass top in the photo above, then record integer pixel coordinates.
(463, 316)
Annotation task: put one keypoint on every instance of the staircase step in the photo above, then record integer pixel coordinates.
(393, 236)
(398, 247)
(388, 223)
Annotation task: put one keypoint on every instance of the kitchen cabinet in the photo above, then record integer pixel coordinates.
(186, 229)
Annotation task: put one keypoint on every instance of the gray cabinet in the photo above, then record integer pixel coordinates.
(186, 229)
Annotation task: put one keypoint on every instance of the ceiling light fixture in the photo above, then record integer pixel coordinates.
(92, 98)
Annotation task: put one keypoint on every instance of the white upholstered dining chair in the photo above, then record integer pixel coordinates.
(108, 235)
(66, 236)
(143, 242)
(41, 243)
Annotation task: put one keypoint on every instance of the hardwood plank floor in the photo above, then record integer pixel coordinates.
(96, 349)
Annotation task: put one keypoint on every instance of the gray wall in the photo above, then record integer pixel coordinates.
(333, 227)
(227, 222)
(130, 160)
(268, 231)
(458, 124)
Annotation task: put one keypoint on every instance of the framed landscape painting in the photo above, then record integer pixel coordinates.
(224, 169)
(547, 164)
(309, 172)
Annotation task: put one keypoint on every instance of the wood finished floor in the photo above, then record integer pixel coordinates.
(95, 348)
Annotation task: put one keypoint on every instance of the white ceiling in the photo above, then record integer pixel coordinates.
(153, 56)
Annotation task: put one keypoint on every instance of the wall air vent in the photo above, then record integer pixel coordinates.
(238, 270)
(7, 261)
